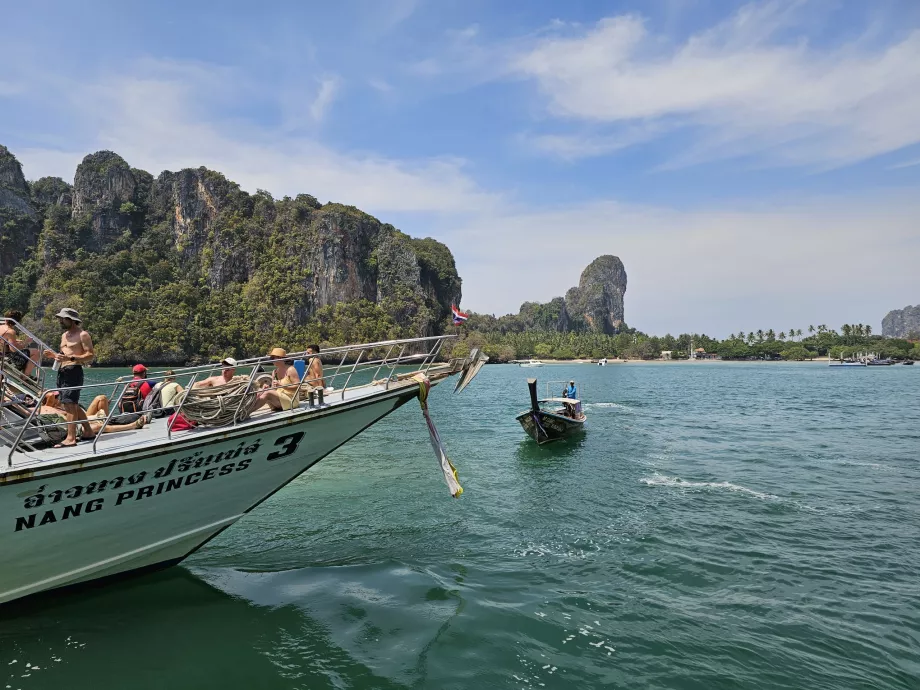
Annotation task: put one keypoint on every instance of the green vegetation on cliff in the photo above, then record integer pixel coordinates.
(187, 265)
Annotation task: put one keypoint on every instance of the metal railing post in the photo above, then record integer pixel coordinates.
(112, 409)
(344, 388)
(382, 362)
(393, 366)
(338, 369)
(22, 431)
(252, 377)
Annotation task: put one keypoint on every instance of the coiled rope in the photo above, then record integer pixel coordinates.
(217, 406)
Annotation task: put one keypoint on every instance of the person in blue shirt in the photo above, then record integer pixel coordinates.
(571, 391)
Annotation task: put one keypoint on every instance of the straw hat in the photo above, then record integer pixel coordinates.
(278, 352)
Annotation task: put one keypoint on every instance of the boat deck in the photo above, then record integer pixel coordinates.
(156, 432)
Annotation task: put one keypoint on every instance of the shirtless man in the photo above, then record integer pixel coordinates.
(315, 372)
(22, 357)
(76, 350)
(223, 377)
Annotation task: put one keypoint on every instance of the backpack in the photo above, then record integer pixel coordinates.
(153, 403)
(52, 434)
(132, 401)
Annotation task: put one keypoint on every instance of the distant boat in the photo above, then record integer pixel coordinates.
(530, 363)
(880, 362)
(602, 362)
(551, 419)
(846, 363)
(908, 363)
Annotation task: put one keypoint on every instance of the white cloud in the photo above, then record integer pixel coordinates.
(740, 85)
(169, 116)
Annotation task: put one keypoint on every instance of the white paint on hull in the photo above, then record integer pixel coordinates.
(158, 507)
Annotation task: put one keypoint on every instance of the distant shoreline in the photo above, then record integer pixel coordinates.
(551, 362)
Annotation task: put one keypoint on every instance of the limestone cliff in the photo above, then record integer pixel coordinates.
(188, 264)
(19, 221)
(598, 299)
(902, 323)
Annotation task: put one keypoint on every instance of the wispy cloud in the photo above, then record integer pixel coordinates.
(173, 115)
(906, 164)
(591, 144)
(328, 88)
(741, 87)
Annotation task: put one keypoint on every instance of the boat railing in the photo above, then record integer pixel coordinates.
(350, 360)
(40, 344)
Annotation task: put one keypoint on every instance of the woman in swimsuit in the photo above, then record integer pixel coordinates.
(284, 384)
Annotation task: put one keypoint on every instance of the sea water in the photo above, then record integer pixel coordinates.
(716, 526)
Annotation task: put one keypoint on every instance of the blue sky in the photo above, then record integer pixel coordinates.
(755, 165)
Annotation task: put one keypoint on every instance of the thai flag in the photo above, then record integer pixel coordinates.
(459, 316)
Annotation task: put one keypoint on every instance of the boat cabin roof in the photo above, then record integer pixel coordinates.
(564, 401)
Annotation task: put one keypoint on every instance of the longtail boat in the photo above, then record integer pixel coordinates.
(551, 418)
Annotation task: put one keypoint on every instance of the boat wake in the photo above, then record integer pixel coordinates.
(607, 405)
(676, 482)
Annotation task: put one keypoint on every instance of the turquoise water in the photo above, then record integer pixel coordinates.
(717, 526)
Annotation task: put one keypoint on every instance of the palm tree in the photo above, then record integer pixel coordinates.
(760, 335)
(791, 332)
(781, 336)
(811, 329)
(846, 329)
(799, 332)
(771, 334)
(868, 330)
(750, 337)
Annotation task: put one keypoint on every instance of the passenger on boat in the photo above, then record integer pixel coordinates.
(570, 391)
(284, 384)
(76, 350)
(25, 359)
(170, 390)
(52, 412)
(315, 372)
(133, 398)
(222, 378)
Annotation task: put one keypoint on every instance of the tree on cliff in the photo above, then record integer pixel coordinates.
(189, 265)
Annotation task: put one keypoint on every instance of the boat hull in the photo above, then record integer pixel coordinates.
(66, 526)
(551, 427)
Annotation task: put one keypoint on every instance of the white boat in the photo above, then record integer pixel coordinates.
(136, 500)
(861, 360)
(530, 363)
(602, 362)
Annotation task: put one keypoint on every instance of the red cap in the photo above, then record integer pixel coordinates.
(139, 369)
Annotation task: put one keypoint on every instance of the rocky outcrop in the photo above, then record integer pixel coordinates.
(104, 198)
(209, 268)
(19, 220)
(902, 323)
(598, 299)
(51, 191)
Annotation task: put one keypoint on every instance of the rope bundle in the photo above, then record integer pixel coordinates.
(217, 406)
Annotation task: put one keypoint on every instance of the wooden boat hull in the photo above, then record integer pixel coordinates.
(546, 427)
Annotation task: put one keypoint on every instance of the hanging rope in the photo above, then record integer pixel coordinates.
(217, 406)
(447, 467)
